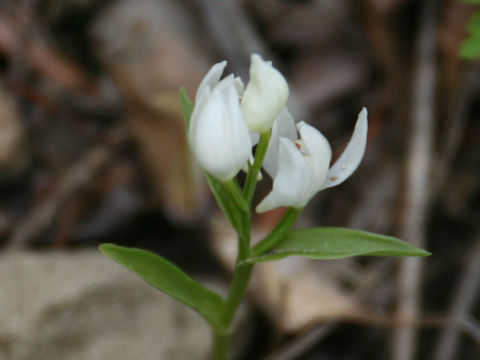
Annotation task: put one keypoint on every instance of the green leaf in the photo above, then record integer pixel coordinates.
(187, 107)
(473, 26)
(337, 243)
(226, 204)
(470, 47)
(472, 1)
(168, 278)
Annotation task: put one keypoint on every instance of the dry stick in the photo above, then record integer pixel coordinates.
(300, 345)
(76, 178)
(462, 304)
(417, 182)
(471, 326)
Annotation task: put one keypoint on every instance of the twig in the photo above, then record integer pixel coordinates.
(472, 327)
(76, 178)
(465, 298)
(417, 182)
(298, 346)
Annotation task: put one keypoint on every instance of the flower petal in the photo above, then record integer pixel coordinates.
(265, 95)
(239, 85)
(255, 137)
(318, 155)
(348, 162)
(211, 79)
(220, 137)
(240, 139)
(292, 182)
(284, 126)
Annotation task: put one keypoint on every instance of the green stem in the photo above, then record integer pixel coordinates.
(237, 195)
(242, 273)
(244, 239)
(277, 234)
(237, 291)
(221, 342)
(251, 181)
(241, 277)
(221, 338)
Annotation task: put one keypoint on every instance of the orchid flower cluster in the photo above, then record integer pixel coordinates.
(226, 122)
(228, 118)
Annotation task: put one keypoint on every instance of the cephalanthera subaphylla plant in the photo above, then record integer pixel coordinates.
(227, 121)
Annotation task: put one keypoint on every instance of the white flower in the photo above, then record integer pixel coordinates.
(218, 134)
(265, 95)
(303, 165)
(284, 126)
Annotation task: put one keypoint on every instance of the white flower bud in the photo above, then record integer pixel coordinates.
(218, 134)
(265, 95)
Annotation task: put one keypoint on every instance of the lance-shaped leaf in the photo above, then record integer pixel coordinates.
(336, 243)
(168, 278)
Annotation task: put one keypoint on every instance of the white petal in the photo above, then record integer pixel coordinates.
(265, 95)
(202, 98)
(240, 140)
(239, 85)
(284, 126)
(211, 79)
(220, 138)
(292, 183)
(226, 82)
(348, 162)
(318, 155)
(255, 137)
(204, 90)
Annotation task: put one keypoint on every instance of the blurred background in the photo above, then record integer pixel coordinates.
(92, 150)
